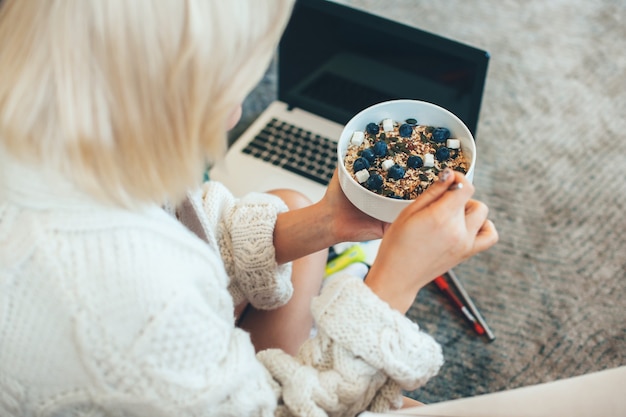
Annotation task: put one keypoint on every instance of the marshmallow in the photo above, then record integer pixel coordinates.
(387, 125)
(429, 160)
(453, 143)
(357, 138)
(362, 176)
(387, 163)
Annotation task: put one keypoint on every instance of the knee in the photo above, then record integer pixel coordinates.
(293, 199)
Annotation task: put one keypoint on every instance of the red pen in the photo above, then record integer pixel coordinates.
(442, 284)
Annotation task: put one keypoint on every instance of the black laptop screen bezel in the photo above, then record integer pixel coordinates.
(328, 23)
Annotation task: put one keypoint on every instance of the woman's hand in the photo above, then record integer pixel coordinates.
(318, 226)
(349, 224)
(439, 230)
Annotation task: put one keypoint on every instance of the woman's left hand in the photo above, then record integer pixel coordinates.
(349, 224)
(331, 220)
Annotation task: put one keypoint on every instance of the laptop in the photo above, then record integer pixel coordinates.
(333, 61)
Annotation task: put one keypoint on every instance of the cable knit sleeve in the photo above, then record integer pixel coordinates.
(363, 355)
(242, 230)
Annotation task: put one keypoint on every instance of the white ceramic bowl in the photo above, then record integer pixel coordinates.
(376, 205)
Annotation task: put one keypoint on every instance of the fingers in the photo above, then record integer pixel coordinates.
(475, 215)
(447, 179)
(453, 199)
(486, 237)
(483, 229)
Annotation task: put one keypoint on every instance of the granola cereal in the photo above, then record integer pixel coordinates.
(401, 160)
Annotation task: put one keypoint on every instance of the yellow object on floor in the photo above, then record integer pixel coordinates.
(349, 256)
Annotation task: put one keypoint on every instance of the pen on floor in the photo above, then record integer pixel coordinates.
(444, 287)
(470, 304)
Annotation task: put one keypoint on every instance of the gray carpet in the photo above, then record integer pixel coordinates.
(552, 167)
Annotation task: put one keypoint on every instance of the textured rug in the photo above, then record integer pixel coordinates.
(552, 167)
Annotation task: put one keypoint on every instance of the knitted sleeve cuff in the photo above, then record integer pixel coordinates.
(350, 314)
(264, 283)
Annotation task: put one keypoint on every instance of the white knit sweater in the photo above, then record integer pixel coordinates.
(110, 312)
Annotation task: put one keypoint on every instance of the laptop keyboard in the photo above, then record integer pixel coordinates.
(294, 149)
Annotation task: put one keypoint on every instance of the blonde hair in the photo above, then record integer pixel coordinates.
(129, 98)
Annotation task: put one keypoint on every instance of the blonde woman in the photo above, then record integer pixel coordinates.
(123, 280)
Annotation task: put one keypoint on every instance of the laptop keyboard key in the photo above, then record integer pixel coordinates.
(296, 150)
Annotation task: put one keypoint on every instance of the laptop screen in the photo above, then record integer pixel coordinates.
(335, 60)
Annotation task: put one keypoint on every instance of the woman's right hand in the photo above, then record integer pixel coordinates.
(442, 228)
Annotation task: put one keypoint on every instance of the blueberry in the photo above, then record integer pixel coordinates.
(405, 130)
(372, 128)
(442, 154)
(414, 161)
(374, 182)
(360, 163)
(411, 121)
(396, 172)
(441, 134)
(368, 154)
(380, 149)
